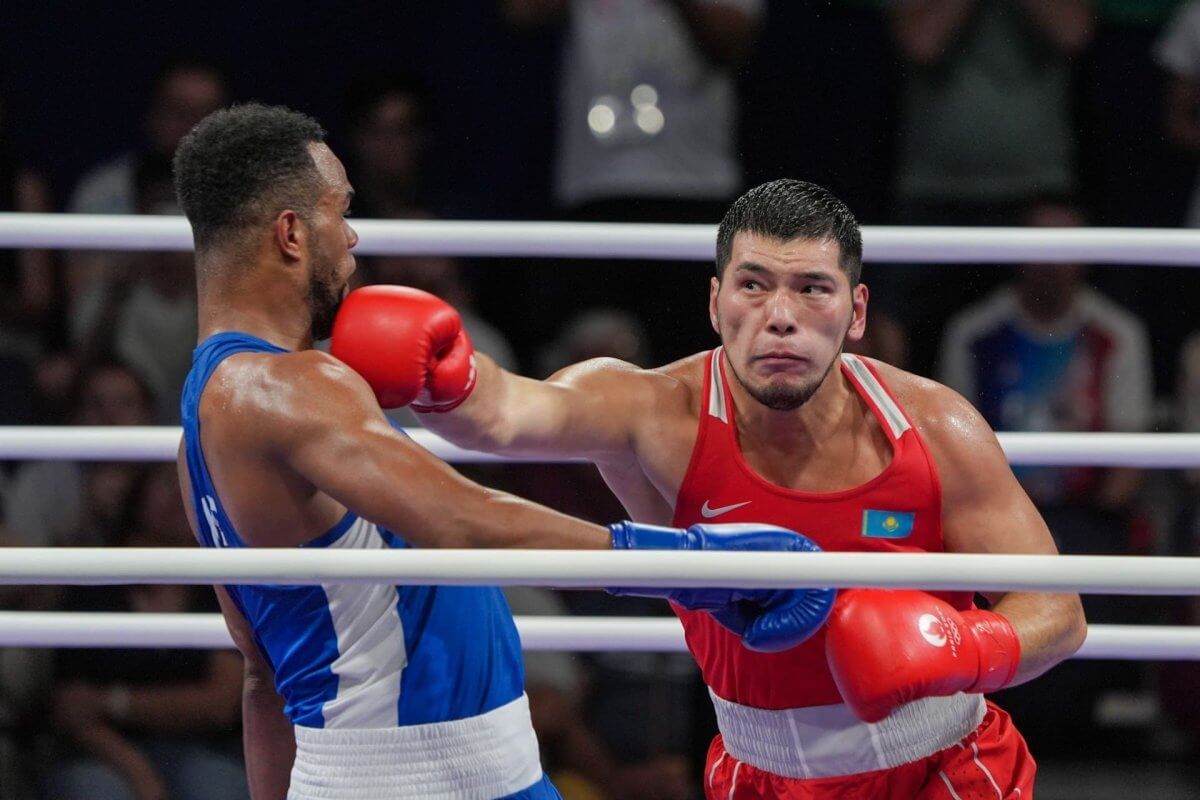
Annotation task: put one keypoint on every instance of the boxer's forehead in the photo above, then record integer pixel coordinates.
(330, 167)
(757, 251)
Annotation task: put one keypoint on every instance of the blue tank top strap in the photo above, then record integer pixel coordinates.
(212, 524)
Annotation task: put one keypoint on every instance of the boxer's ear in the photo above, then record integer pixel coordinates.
(291, 235)
(858, 319)
(714, 287)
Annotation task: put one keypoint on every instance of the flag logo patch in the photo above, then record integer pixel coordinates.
(887, 524)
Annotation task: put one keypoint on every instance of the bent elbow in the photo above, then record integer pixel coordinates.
(1074, 629)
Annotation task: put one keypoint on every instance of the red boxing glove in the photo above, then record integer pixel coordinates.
(404, 342)
(886, 648)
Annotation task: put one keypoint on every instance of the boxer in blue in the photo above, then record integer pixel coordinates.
(356, 691)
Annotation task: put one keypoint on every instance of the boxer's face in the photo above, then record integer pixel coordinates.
(783, 311)
(331, 240)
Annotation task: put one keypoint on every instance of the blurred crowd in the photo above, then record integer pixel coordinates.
(1038, 113)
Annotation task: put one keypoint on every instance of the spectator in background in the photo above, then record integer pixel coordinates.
(647, 133)
(647, 106)
(443, 277)
(1178, 680)
(885, 339)
(184, 91)
(26, 287)
(388, 119)
(48, 500)
(1178, 52)
(148, 724)
(1048, 353)
(143, 309)
(986, 106)
(986, 127)
(597, 333)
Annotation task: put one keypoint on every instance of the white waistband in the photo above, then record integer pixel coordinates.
(478, 758)
(828, 741)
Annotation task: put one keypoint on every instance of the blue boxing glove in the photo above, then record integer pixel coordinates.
(767, 620)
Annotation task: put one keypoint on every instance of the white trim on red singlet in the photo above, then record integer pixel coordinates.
(866, 379)
(716, 387)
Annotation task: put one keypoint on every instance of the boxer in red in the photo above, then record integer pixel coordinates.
(778, 425)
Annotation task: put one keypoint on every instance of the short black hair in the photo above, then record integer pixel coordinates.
(241, 166)
(789, 209)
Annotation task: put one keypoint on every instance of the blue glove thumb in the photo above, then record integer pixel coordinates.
(788, 619)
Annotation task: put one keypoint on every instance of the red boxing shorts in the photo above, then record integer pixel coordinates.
(991, 763)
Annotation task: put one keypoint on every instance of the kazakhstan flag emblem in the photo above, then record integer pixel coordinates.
(887, 524)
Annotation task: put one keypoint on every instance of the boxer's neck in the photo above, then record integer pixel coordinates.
(807, 427)
(262, 299)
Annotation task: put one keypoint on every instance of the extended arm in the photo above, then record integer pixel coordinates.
(588, 410)
(410, 347)
(269, 743)
(323, 422)
(985, 510)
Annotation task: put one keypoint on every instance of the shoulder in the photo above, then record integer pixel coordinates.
(675, 383)
(268, 394)
(945, 419)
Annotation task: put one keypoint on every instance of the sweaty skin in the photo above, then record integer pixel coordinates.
(783, 311)
(294, 440)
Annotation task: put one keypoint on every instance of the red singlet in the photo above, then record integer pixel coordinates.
(898, 511)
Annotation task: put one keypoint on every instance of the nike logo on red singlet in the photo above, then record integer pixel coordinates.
(708, 512)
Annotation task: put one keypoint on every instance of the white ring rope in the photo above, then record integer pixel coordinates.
(630, 240)
(1131, 575)
(1164, 450)
(566, 633)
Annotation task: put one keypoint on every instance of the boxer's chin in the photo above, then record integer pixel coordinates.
(784, 392)
(323, 304)
(780, 396)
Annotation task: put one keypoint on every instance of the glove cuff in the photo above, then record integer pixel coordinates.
(442, 408)
(999, 650)
(636, 536)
